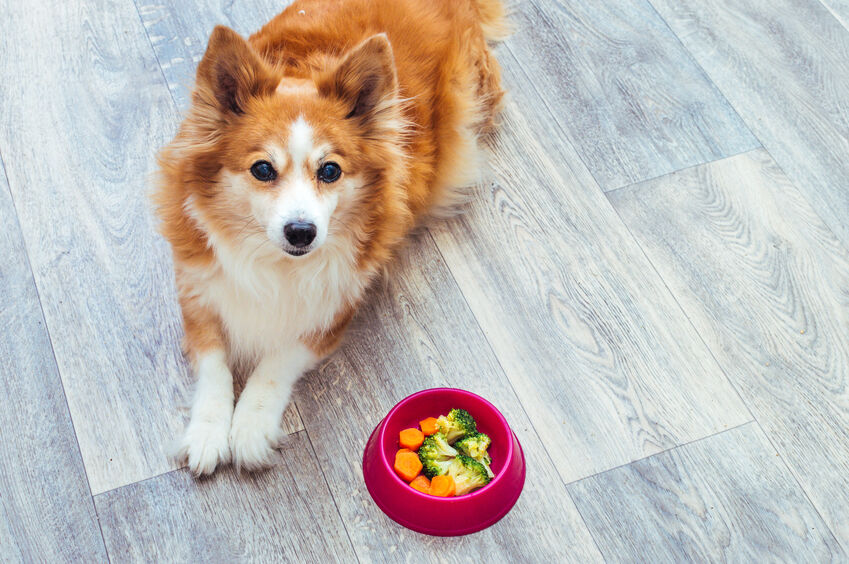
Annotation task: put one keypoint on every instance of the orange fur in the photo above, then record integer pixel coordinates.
(434, 88)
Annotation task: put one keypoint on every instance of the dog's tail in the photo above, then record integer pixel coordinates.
(493, 18)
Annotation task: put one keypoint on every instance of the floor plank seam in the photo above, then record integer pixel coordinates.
(704, 72)
(713, 356)
(122, 486)
(664, 451)
(740, 116)
(835, 15)
(799, 484)
(329, 491)
(512, 387)
(564, 134)
(161, 474)
(567, 138)
(53, 353)
(156, 58)
(682, 169)
(682, 310)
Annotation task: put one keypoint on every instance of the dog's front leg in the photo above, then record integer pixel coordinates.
(204, 444)
(256, 428)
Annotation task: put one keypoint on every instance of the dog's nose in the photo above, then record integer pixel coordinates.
(299, 233)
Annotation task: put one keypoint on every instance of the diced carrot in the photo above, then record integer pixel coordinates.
(407, 465)
(442, 486)
(403, 450)
(421, 483)
(428, 426)
(411, 438)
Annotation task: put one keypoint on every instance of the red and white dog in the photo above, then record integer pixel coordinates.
(309, 152)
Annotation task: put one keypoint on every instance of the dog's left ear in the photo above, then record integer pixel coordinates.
(364, 79)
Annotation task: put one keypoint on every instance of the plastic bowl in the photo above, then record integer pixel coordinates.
(444, 516)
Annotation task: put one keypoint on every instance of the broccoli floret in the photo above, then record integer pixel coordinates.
(475, 447)
(456, 425)
(468, 474)
(436, 455)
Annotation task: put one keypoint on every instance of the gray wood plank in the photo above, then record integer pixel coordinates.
(783, 66)
(628, 95)
(727, 498)
(766, 284)
(46, 511)
(839, 9)
(179, 31)
(283, 514)
(600, 354)
(85, 109)
(418, 333)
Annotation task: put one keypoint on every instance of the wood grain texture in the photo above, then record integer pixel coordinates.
(85, 108)
(727, 498)
(839, 9)
(179, 31)
(282, 515)
(627, 94)
(766, 283)
(783, 66)
(46, 511)
(418, 333)
(600, 354)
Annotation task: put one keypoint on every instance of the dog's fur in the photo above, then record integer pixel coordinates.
(397, 92)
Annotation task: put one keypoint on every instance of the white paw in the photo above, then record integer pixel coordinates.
(204, 444)
(254, 435)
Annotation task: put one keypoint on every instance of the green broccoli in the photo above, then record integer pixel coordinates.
(456, 425)
(475, 447)
(436, 455)
(468, 474)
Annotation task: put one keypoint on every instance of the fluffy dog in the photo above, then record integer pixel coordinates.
(309, 152)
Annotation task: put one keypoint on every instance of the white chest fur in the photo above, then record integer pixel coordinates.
(267, 301)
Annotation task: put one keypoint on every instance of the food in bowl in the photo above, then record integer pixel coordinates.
(446, 456)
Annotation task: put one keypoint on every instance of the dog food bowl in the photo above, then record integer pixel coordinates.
(444, 516)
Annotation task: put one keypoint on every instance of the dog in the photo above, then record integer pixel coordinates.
(309, 152)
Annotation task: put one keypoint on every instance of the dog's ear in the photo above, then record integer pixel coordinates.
(364, 79)
(230, 73)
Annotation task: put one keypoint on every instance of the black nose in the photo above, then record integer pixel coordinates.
(300, 234)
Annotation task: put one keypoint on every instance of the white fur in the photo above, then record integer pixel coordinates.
(204, 444)
(268, 300)
(256, 423)
(299, 201)
(300, 141)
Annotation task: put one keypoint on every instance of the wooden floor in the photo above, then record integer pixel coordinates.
(653, 287)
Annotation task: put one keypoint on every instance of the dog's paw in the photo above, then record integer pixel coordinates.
(204, 444)
(253, 437)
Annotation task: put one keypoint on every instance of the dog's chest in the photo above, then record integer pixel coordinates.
(267, 307)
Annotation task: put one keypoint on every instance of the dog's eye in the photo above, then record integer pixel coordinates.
(329, 172)
(262, 170)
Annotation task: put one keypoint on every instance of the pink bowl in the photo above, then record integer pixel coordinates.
(444, 516)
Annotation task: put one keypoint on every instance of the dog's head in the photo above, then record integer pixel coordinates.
(295, 159)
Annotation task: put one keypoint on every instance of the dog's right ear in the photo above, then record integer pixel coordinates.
(230, 73)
